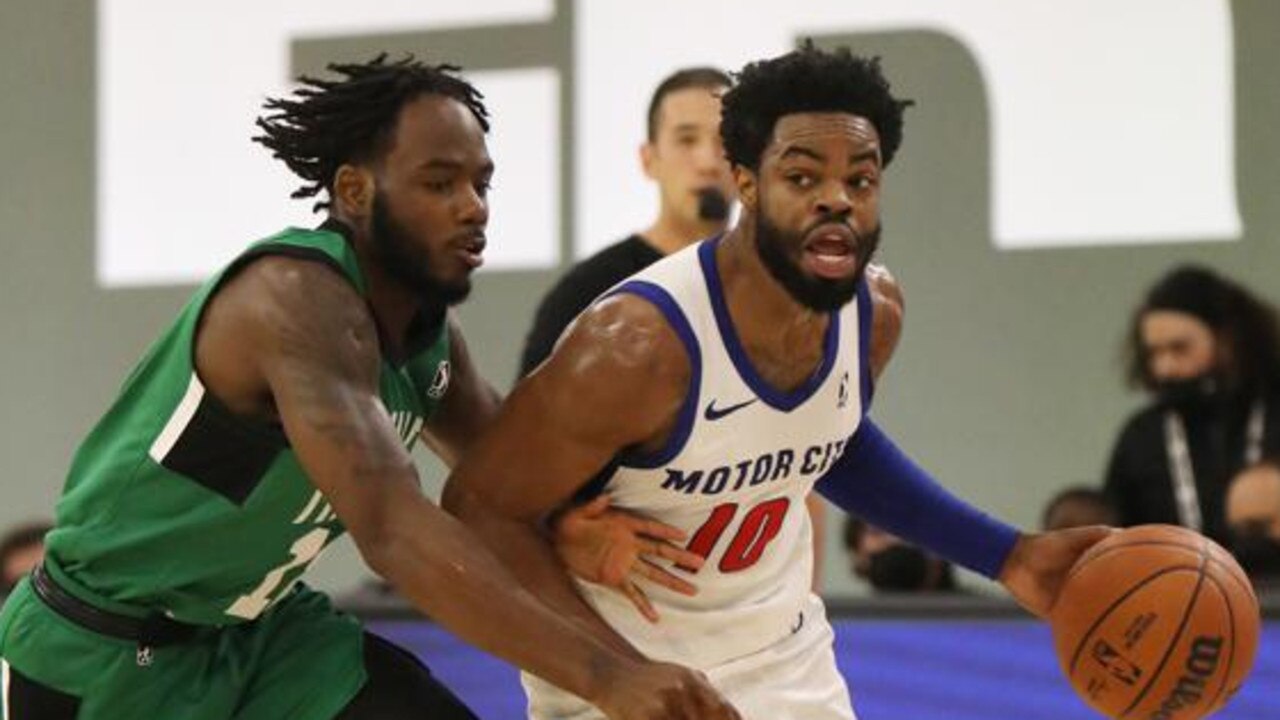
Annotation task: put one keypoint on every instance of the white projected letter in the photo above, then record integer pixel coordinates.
(1111, 120)
(181, 189)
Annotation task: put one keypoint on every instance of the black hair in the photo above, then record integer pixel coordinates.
(328, 123)
(802, 81)
(1243, 325)
(694, 77)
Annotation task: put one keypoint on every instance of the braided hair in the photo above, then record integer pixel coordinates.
(327, 123)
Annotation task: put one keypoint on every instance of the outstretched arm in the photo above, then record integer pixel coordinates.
(615, 381)
(307, 338)
(888, 307)
(877, 481)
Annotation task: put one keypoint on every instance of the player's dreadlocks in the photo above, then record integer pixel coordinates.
(331, 122)
(802, 81)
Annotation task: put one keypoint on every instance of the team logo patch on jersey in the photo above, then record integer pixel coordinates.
(440, 383)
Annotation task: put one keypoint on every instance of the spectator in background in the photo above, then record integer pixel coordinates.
(1078, 506)
(890, 565)
(682, 154)
(1207, 351)
(21, 549)
(1253, 515)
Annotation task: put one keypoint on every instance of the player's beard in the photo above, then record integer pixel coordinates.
(404, 260)
(816, 293)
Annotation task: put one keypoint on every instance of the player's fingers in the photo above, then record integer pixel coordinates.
(640, 600)
(614, 570)
(676, 554)
(660, 530)
(664, 578)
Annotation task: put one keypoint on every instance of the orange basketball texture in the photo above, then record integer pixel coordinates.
(1156, 623)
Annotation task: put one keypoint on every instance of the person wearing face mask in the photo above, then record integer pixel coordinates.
(1208, 352)
(890, 565)
(1253, 515)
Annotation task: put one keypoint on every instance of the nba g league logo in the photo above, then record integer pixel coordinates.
(440, 383)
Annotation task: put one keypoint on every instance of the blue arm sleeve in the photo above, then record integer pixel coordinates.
(878, 482)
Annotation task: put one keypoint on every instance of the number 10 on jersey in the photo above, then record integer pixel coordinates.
(760, 525)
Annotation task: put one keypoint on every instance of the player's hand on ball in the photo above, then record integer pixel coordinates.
(615, 548)
(661, 691)
(1038, 564)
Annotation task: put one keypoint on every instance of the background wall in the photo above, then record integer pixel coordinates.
(1007, 381)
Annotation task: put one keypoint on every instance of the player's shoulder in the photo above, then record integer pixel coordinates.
(630, 335)
(888, 305)
(886, 291)
(276, 292)
(626, 319)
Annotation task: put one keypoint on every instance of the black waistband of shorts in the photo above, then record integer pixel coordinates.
(152, 631)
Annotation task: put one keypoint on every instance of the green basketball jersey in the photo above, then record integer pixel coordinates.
(175, 504)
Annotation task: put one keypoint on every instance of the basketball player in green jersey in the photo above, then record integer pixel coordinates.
(277, 412)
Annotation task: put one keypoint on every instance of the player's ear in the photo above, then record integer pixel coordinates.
(748, 186)
(648, 157)
(353, 190)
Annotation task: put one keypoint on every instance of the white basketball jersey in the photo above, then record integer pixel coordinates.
(735, 473)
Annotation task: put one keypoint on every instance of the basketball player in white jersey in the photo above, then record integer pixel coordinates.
(715, 389)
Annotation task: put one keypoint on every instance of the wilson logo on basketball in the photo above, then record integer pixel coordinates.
(1201, 663)
(1168, 601)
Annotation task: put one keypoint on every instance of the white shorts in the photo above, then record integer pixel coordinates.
(795, 679)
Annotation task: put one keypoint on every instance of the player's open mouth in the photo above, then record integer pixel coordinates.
(830, 252)
(471, 251)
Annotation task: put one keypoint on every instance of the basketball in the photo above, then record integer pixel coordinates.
(1156, 622)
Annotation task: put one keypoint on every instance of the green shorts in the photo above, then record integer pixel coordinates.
(300, 660)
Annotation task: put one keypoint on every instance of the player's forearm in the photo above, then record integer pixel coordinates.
(878, 482)
(527, 552)
(439, 566)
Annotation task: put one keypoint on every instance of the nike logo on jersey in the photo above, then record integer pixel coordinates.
(713, 413)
